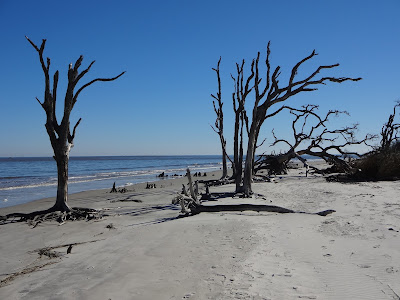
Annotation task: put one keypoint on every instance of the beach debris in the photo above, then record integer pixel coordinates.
(114, 189)
(120, 190)
(47, 251)
(188, 203)
(111, 226)
(191, 204)
(24, 271)
(128, 199)
(74, 214)
(151, 186)
(69, 249)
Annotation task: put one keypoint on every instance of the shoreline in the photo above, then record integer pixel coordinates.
(165, 184)
(26, 179)
(141, 250)
(216, 174)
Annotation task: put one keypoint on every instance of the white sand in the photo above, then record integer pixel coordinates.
(350, 254)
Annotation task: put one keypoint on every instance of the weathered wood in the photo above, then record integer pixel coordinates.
(59, 133)
(191, 189)
(219, 122)
(114, 189)
(270, 95)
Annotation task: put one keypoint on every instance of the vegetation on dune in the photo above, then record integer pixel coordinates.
(383, 163)
(380, 165)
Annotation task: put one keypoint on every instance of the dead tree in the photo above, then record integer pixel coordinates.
(60, 134)
(390, 130)
(241, 91)
(270, 95)
(383, 162)
(219, 122)
(189, 203)
(311, 136)
(192, 205)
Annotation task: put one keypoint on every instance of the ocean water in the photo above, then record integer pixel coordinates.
(24, 179)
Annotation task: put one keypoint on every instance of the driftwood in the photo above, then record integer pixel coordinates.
(120, 190)
(151, 186)
(114, 189)
(34, 218)
(46, 251)
(24, 271)
(188, 203)
(191, 204)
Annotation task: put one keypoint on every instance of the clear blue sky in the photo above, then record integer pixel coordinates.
(162, 105)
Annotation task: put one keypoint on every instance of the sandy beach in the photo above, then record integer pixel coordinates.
(141, 250)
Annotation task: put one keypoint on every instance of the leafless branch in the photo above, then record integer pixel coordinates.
(71, 137)
(318, 136)
(93, 81)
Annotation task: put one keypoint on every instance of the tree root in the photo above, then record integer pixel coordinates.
(49, 248)
(222, 181)
(36, 217)
(27, 270)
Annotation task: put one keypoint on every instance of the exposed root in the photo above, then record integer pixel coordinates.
(111, 226)
(47, 252)
(43, 251)
(34, 218)
(27, 270)
(222, 181)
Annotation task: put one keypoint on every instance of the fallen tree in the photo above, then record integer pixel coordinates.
(268, 94)
(191, 204)
(311, 136)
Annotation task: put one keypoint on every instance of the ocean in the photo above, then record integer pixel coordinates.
(24, 179)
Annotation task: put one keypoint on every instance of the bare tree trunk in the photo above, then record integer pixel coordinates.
(237, 174)
(248, 168)
(219, 122)
(242, 90)
(61, 137)
(62, 186)
(224, 162)
(271, 94)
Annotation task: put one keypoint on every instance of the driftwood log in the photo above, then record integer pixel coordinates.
(191, 204)
(37, 217)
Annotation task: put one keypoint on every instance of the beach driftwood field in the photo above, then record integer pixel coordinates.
(140, 249)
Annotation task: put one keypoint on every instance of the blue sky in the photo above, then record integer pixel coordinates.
(162, 105)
